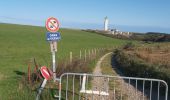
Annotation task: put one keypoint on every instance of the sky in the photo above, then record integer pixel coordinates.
(125, 15)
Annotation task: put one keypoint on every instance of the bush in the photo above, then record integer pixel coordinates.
(129, 46)
(132, 66)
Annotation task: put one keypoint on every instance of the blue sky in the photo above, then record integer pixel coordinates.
(126, 15)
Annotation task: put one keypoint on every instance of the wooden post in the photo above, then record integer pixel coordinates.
(95, 52)
(71, 57)
(89, 53)
(80, 54)
(92, 52)
(85, 55)
(29, 73)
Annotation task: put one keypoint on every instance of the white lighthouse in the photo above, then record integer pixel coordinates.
(106, 24)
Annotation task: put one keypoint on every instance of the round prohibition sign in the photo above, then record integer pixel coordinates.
(45, 72)
(52, 24)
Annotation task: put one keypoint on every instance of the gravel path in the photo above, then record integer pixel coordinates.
(102, 84)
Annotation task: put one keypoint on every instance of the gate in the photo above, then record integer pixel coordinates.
(81, 86)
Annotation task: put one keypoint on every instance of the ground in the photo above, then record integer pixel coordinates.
(100, 83)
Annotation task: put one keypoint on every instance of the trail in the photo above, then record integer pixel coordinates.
(102, 84)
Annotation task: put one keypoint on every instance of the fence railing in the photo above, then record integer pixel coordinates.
(80, 86)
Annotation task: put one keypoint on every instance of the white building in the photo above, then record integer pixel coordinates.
(106, 24)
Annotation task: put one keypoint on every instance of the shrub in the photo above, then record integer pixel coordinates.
(132, 66)
(128, 46)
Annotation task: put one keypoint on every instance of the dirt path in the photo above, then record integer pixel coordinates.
(99, 83)
(102, 84)
(97, 70)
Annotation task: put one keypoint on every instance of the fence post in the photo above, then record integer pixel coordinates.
(85, 55)
(71, 57)
(80, 54)
(95, 52)
(89, 53)
(92, 52)
(99, 50)
(29, 73)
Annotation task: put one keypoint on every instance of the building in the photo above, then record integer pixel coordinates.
(106, 24)
(118, 32)
(114, 31)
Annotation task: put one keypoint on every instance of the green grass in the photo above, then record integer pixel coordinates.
(20, 43)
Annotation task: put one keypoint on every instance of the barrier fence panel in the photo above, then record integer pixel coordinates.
(81, 86)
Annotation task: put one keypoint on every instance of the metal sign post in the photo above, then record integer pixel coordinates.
(52, 25)
(41, 88)
(47, 75)
(53, 50)
(53, 38)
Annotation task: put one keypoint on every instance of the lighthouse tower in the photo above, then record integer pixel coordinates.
(106, 24)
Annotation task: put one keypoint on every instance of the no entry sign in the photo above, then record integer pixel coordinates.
(52, 24)
(45, 72)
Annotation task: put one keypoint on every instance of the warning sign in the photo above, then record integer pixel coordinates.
(52, 24)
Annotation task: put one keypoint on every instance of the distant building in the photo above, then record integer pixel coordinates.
(118, 32)
(106, 24)
(113, 31)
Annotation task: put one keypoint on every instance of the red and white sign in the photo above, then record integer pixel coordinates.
(45, 72)
(52, 24)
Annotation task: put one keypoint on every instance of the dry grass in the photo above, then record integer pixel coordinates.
(158, 54)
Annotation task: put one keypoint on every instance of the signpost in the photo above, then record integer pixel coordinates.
(52, 25)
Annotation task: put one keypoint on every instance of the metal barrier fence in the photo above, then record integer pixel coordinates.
(79, 86)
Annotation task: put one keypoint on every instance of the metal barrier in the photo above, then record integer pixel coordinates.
(81, 86)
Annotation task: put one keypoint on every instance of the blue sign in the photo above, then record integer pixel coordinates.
(53, 36)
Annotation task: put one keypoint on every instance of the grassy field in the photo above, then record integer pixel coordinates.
(19, 43)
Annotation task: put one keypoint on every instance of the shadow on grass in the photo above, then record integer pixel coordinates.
(20, 73)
